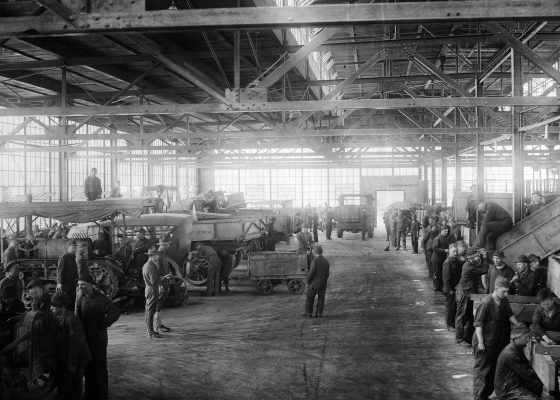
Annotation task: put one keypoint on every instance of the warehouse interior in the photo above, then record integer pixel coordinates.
(295, 102)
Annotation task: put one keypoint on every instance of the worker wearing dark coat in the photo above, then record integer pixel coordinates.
(152, 282)
(364, 222)
(40, 299)
(102, 245)
(9, 303)
(165, 285)
(451, 273)
(493, 328)
(440, 249)
(536, 203)
(472, 269)
(214, 265)
(123, 250)
(97, 312)
(225, 269)
(526, 282)
(138, 257)
(67, 273)
(270, 238)
(72, 351)
(414, 231)
(515, 379)
(538, 273)
(12, 278)
(496, 220)
(403, 226)
(305, 244)
(329, 223)
(92, 186)
(498, 268)
(546, 318)
(315, 221)
(394, 228)
(430, 233)
(317, 283)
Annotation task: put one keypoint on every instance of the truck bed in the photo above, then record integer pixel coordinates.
(537, 234)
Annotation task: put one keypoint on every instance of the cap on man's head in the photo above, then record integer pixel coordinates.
(60, 299)
(94, 169)
(153, 252)
(34, 283)
(536, 192)
(499, 253)
(9, 292)
(11, 264)
(501, 282)
(522, 258)
(86, 278)
(140, 230)
(533, 257)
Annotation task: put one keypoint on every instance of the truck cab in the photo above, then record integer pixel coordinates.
(347, 215)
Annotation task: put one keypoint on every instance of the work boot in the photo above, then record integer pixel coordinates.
(153, 334)
(164, 328)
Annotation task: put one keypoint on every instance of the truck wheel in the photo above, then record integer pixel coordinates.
(264, 287)
(370, 233)
(296, 286)
(196, 272)
(339, 233)
(105, 278)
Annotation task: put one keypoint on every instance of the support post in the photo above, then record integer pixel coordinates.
(517, 142)
(63, 157)
(443, 181)
(433, 186)
(479, 147)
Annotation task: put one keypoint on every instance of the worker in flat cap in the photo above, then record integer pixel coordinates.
(97, 312)
(492, 324)
(515, 378)
(537, 272)
(123, 250)
(67, 273)
(536, 203)
(92, 186)
(546, 318)
(152, 280)
(12, 278)
(40, 299)
(523, 279)
(72, 351)
(497, 268)
(473, 268)
(139, 249)
(9, 302)
(166, 275)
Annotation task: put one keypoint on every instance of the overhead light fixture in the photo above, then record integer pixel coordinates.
(172, 6)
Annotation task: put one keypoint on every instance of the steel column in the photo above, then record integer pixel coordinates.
(517, 138)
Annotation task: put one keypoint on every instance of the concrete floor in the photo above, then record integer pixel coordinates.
(383, 337)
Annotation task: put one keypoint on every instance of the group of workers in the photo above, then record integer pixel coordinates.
(501, 371)
(82, 315)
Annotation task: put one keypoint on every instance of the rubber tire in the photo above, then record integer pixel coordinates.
(105, 278)
(200, 278)
(339, 233)
(296, 286)
(370, 233)
(264, 287)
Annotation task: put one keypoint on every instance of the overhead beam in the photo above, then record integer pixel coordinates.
(280, 17)
(524, 50)
(317, 105)
(57, 133)
(295, 58)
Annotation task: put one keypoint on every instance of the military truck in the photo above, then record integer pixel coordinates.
(347, 216)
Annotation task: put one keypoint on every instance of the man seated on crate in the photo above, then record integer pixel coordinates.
(546, 318)
(514, 378)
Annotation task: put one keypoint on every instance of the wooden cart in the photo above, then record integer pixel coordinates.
(271, 268)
